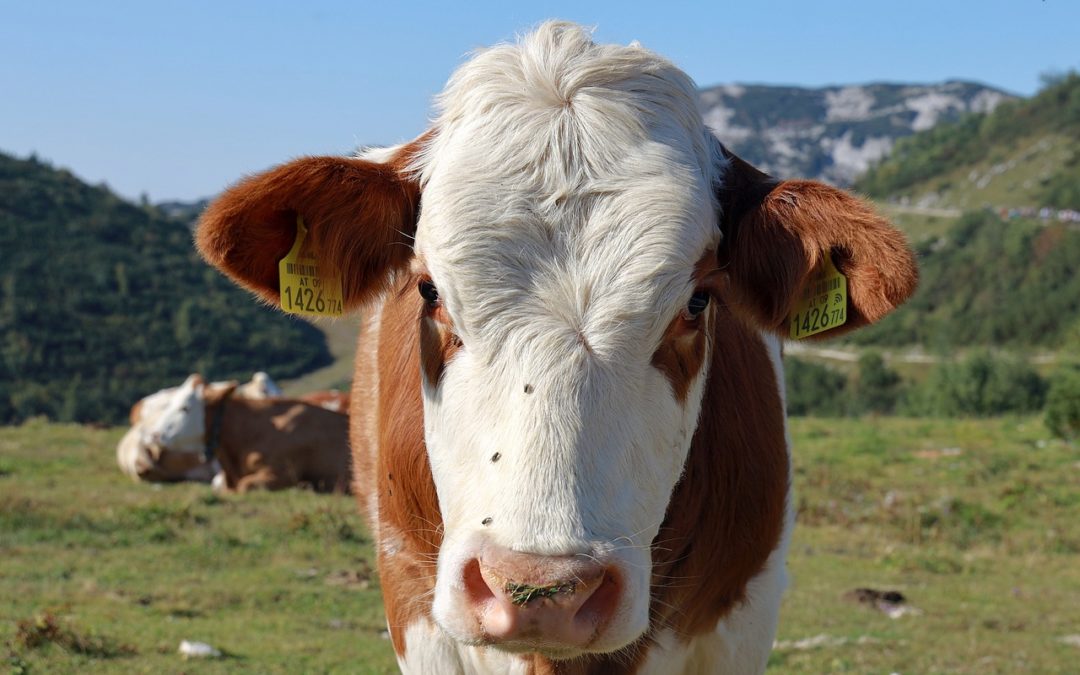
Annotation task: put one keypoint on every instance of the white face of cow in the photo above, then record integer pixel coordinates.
(150, 410)
(559, 248)
(181, 424)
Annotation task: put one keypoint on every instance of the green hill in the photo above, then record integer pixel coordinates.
(990, 281)
(1003, 274)
(103, 301)
(1025, 154)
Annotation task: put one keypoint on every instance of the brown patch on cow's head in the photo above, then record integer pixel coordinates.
(360, 215)
(409, 520)
(726, 515)
(682, 349)
(438, 340)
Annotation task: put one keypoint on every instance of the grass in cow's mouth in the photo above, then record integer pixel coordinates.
(522, 594)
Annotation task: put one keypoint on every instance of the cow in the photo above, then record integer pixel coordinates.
(143, 459)
(567, 414)
(331, 399)
(271, 443)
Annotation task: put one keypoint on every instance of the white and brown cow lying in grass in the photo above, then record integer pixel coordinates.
(270, 443)
(143, 459)
(568, 412)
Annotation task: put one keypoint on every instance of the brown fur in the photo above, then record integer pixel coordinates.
(279, 443)
(773, 246)
(438, 344)
(680, 355)
(682, 349)
(360, 215)
(408, 505)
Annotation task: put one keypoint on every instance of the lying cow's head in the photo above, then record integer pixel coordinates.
(180, 425)
(571, 226)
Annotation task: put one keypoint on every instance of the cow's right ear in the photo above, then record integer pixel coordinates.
(360, 216)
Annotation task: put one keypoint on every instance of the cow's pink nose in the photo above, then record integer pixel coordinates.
(541, 601)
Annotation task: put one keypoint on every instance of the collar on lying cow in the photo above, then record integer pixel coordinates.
(214, 440)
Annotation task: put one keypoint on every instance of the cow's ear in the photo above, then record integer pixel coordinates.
(777, 237)
(360, 216)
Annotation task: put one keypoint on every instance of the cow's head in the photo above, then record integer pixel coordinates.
(571, 227)
(180, 425)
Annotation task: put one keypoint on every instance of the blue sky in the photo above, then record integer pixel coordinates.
(178, 99)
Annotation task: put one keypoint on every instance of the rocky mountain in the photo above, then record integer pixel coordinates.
(1023, 158)
(833, 133)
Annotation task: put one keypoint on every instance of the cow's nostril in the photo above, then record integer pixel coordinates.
(475, 586)
(602, 603)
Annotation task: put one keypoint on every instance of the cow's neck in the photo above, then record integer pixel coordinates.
(216, 405)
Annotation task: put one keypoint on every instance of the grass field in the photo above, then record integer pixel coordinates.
(976, 522)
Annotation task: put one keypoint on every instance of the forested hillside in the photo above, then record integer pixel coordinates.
(1024, 154)
(990, 282)
(103, 301)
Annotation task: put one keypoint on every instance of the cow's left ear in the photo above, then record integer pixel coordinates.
(776, 239)
(360, 216)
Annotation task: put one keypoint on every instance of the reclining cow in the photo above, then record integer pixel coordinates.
(143, 460)
(568, 411)
(270, 443)
(331, 399)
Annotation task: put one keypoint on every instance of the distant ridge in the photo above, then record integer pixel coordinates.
(1025, 155)
(833, 133)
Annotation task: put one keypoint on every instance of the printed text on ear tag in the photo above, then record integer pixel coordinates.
(823, 305)
(307, 288)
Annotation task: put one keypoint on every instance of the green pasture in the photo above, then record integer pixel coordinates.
(976, 522)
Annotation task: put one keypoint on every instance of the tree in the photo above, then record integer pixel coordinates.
(813, 389)
(876, 388)
(1063, 403)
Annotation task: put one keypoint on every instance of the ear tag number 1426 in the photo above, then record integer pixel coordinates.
(823, 305)
(307, 288)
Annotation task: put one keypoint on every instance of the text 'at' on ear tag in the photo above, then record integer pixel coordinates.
(305, 287)
(823, 304)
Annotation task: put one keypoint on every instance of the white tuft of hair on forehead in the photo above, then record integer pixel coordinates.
(560, 151)
(502, 100)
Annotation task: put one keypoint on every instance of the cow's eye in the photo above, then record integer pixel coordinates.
(698, 302)
(428, 291)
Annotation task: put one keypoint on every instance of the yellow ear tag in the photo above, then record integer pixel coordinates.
(305, 288)
(823, 305)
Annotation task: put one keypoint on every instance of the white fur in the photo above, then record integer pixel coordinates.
(568, 194)
(132, 454)
(181, 425)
